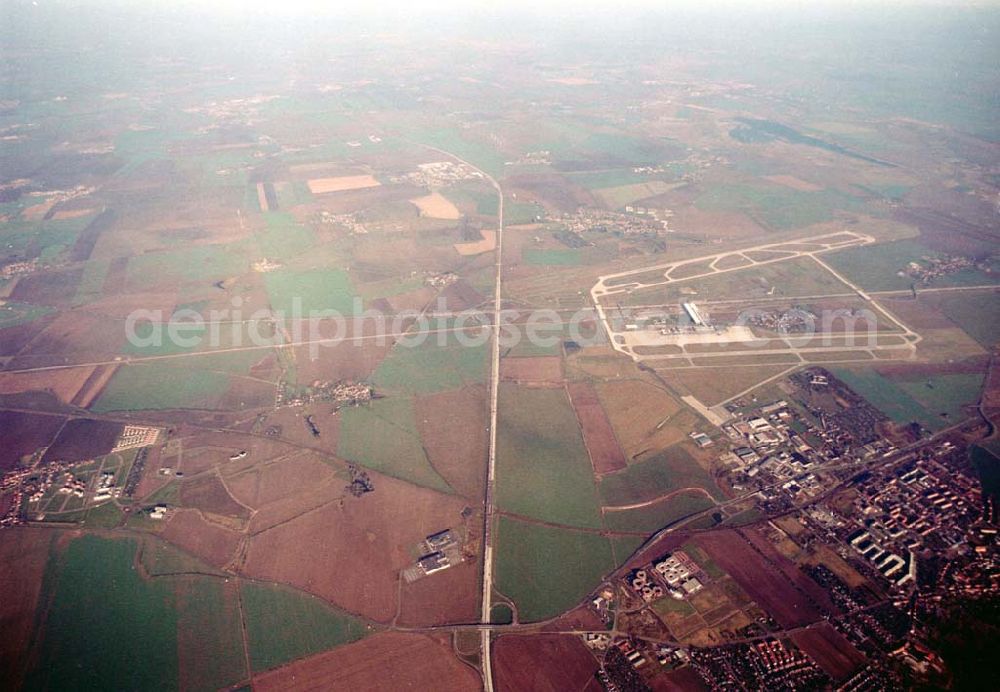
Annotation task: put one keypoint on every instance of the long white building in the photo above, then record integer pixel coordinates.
(692, 311)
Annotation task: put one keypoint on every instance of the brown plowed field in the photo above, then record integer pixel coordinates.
(212, 543)
(270, 483)
(210, 495)
(385, 661)
(813, 591)
(532, 369)
(78, 335)
(114, 280)
(13, 339)
(452, 427)
(64, 384)
(541, 663)
(82, 439)
(246, 393)
(461, 295)
(350, 552)
(95, 384)
(765, 584)
(635, 409)
(682, 680)
(348, 360)
(969, 366)
(605, 453)
(55, 288)
(451, 596)
(412, 300)
(152, 480)
(555, 192)
(24, 553)
(580, 618)
(204, 449)
(23, 433)
(830, 649)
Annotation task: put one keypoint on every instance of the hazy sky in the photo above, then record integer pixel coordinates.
(574, 7)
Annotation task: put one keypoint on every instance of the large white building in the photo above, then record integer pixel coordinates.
(692, 311)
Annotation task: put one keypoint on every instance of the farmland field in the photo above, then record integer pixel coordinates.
(194, 382)
(318, 186)
(922, 400)
(283, 625)
(430, 368)
(777, 206)
(543, 470)
(300, 293)
(283, 238)
(196, 263)
(977, 313)
(383, 435)
(95, 611)
(547, 570)
(664, 472)
(568, 257)
(797, 277)
(655, 516)
(877, 268)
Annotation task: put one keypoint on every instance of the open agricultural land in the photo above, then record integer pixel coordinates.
(595, 355)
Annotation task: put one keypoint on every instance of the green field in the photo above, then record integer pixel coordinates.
(977, 313)
(12, 313)
(91, 281)
(922, 401)
(517, 213)
(451, 140)
(778, 207)
(669, 470)
(877, 267)
(192, 263)
(430, 368)
(108, 628)
(656, 516)
(618, 197)
(283, 238)
(944, 394)
(558, 258)
(501, 614)
(612, 150)
(670, 604)
(158, 339)
(596, 180)
(46, 240)
(284, 625)
(210, 632)
(543, 470)
(987, 465)
(624, 546)
(197, 381)
(383, 436)
(545, 570)
(293, 194)
(104, 516)
(160, 559)
(298, 293)
(799, 276)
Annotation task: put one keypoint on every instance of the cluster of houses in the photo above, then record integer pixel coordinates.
(134, 436)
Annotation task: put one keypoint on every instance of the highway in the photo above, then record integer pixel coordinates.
(487, 597)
